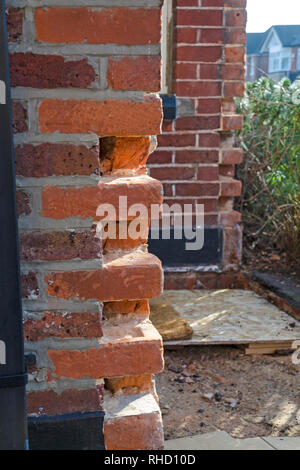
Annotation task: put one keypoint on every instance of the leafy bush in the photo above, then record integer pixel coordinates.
(270, 173)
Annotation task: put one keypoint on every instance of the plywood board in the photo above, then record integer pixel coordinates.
(231, 316)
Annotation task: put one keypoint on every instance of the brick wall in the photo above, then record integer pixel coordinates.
(196, 158)
(83, 121)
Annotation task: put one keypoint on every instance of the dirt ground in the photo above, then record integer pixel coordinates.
(205, 389)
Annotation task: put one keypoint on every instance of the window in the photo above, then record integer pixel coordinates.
(167, 46)
(280, 61)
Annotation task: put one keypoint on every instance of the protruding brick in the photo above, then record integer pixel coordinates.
(56, 159)
(60, 203)
(105, 118)
(62, 325)
(134, 73)
(120, 153)
(98, 26)
(137, 276)
(49, 71)
(128, 350)
(133, 423)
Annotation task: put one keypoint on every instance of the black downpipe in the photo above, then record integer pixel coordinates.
(12, 369)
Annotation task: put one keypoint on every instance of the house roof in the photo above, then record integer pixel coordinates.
(289, 36)
(254, 42)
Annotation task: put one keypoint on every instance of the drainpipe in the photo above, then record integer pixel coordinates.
(12, 368)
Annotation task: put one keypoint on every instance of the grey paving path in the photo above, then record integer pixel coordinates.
(223, 441)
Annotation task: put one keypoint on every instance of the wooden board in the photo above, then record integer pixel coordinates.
(232, 317)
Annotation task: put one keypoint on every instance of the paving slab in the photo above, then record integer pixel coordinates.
(213, 441)
(283, 443)
(255, 443)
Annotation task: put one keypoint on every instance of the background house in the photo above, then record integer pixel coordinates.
(275, 53)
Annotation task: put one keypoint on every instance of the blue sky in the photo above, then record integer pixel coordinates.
(264, 13)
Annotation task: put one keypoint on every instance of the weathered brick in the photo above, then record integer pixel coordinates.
(50, 403)
(134, 73)
(49, 71)
(23, 203)
(137, 276)
(126, 307)
(116, 243)
(30, 287)
(62, 325)
(60, 203)
(160, 157)
(129, 384)
(232, 156)
(231, 188)
(120, 153)
(49, 246)
(19, 117)
(138, 350)
(233, 122)
(235, 54)
(105, 118)
(56, 159)
(233, 89)
(14, 22)
(102, 26)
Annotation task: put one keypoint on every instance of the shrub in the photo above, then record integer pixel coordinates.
(270, 173)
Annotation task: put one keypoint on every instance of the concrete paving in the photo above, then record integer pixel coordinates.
(223, 441)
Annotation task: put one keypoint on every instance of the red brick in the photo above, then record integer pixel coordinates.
(233, 72)
(235, 18)
(212, 36)
(49, 71)
(200, 17)
(196, 156)
(160, 156)
(230, 219)
(198, 123)
(167, 189)
(227, 170)
(180, 140)
(139, 353)
(210, 72)
(134, 432)
(62, 325)
(186, 71)
(232, 156)
(60, 203)
(208, 173)
(56, 159)
(49, 403)
(98, 26)
(200, 88)
(199, 53)
(231, 188)
(233, 122)
(129, 384)
(14, 22)
(19, 118)
(187, 3)
(235, 3)
(110, 117)
(235, 36)
(30, 287)
(137, 276)
(116, 243)
(23, 203)
(50, 246)
(197, 189)
(134, 73)
(209, 140)
(173, 173)
(209, 106)
(233, 89)
(235, 54)
(212, 3)
(186, 35)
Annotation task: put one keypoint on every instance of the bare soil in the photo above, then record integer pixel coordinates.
(205, 389)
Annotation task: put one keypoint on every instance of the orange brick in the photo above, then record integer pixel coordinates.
(124, 350)
(103, 26)
(105, 118)
(129, 384)
(119, 153)
(60, 203)
(136, 275)
(126, 307)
